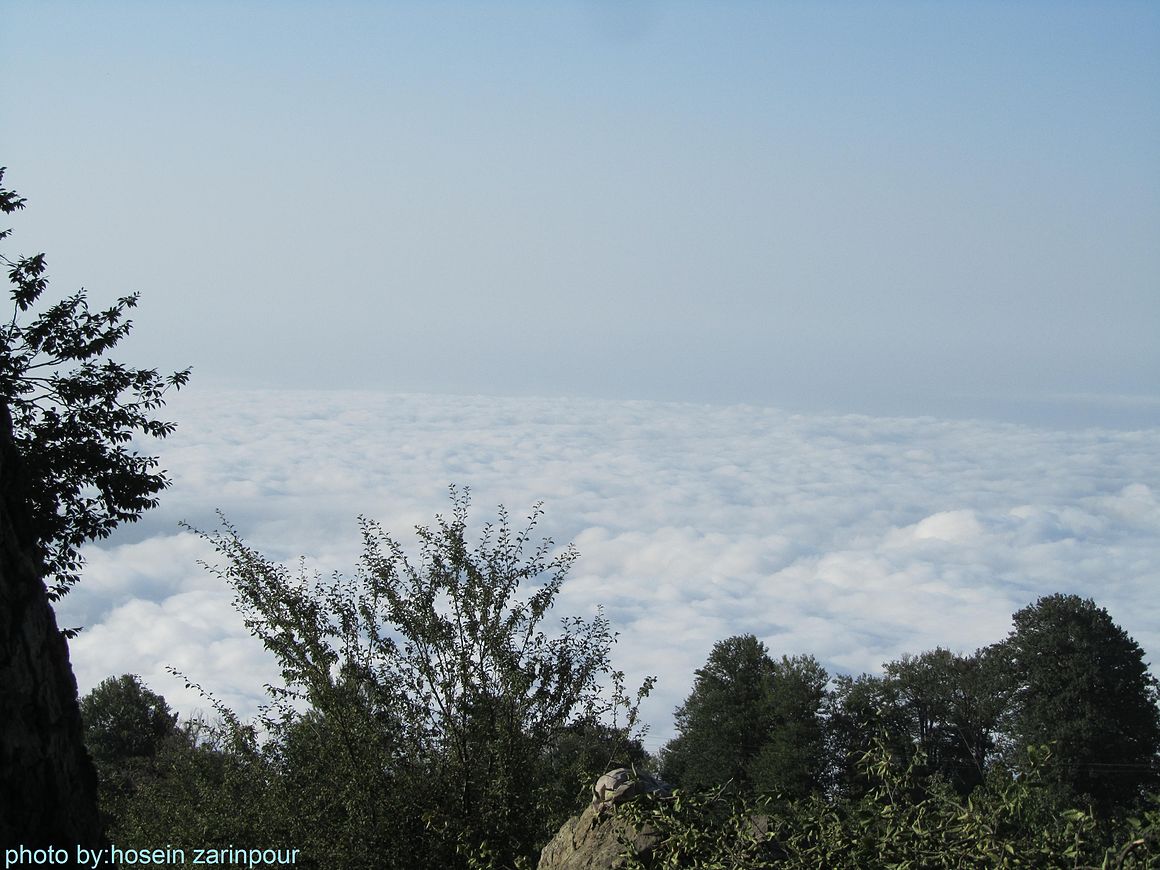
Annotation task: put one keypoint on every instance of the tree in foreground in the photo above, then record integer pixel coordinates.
(904, 819)
(426, 709)
(74, 413)
(1081, 685)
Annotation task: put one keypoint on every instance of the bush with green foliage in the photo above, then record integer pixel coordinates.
(905, 820)
(426, 713)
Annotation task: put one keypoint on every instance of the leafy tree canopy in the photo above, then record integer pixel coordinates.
(723, 723)
(124, 719)
(126, 728)
(792, 761)
(1081, 685)
(428, 708)
(929, 767)
(74, 413)
(750, 723)
(950, 706)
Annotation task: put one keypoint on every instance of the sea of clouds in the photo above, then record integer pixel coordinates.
(854, 538)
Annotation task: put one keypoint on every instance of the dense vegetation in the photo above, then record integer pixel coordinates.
(1066, 676)
(428, 719)
(426, 715)
(1040, 750)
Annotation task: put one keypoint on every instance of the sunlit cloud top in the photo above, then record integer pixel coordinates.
(854, 538)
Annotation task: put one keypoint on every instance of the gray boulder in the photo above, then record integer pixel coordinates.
(597, 839)
(622, 784)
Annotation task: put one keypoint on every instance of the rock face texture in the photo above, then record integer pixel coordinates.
(593, 841)
(48, 787)
(596, 839)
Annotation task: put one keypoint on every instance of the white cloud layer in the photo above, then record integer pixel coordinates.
(853, 538)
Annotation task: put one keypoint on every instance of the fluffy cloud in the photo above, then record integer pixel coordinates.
(853, 538)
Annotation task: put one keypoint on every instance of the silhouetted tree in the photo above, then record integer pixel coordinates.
(950, 707)
(724, 723)
(125, 724)
(862, 713)
(74, 413)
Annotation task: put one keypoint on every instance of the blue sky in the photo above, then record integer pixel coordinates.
(832, 322)
(911, 208)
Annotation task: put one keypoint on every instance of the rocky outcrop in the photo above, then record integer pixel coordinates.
(598, 839)
(48, 787)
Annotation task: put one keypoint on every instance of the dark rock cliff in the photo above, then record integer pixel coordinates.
(48, 787)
